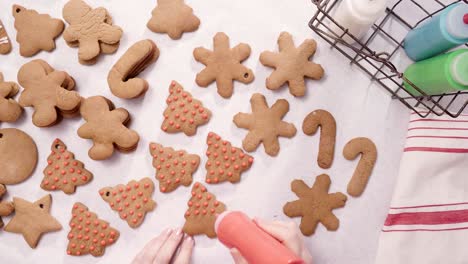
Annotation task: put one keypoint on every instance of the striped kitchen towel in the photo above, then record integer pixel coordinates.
(428, 218)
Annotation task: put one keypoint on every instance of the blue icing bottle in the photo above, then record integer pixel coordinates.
(446, 30)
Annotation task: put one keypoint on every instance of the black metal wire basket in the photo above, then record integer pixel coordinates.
(389, 32)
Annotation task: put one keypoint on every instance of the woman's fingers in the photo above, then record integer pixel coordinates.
(168, 249)
(185, 251)
(148, 253)
(238, 258)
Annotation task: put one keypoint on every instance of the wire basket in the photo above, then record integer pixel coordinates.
(368, 55)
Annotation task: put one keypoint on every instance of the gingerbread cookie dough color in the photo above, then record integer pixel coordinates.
(18, 157)
(173, 17)
(36, 31)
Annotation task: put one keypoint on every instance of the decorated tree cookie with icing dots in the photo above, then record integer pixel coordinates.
(200, 216)
(63, 171)
(225, 162)
(173, 167)
(131, 201)
(183, 113)
(89, 234)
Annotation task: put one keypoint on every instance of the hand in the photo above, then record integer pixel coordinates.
(286, 233)
(169, 245)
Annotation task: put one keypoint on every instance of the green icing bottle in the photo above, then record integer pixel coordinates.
(441, 74)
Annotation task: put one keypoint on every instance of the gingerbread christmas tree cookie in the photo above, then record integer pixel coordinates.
(315, 205)
(173, 167)
(132, 201)
(36, 31)
(173, 17)
(183, 113)
(89, 234)
(10, 110)
(225, 162)
(63, 171)
(202, 210)
(32, 219)
(265, 124)
(223, 65)
(291, 64)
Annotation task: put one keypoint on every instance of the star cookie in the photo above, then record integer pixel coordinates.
(32, 219)
(223, 65)
(315, 205)
(291, 64)
(265, 124)
(173, 17)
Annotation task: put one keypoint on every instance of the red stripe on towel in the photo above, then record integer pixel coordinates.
(431, 149)
(447, 137)
(437, 128)
(428, 218)
(426, 230)
(428, 205)
(438, 120)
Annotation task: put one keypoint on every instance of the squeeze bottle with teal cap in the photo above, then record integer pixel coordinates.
(441, 74)
(445, 31)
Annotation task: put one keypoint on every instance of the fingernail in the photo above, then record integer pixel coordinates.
(169, 231)
(188, 238)
(179, 231)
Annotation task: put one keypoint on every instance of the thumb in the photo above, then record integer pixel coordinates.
(238, 258)
(274, 228)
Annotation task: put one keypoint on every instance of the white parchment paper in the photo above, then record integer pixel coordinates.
(360, 108)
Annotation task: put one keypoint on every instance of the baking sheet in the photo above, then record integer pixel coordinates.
(360, 108)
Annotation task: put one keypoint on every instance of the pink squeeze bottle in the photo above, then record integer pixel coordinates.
(236, 230)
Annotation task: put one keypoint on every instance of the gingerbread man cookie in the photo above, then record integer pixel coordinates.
(200, 216)
(265, 124)
(122, 77)
(10, 110)
(291, 64)
(6, 208)
(223, 65)
(32, 219)
(5, 43)
(63, 171)
(36, 31)
(173, 167)
(315, 205)
(225, 162)
(89, 234)
(173, 17)
(48, 92)
(89, 27)
(183, 113)
(132, 201)
(106, 127)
